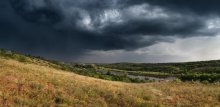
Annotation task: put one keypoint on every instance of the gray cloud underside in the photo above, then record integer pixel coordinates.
(70, 27)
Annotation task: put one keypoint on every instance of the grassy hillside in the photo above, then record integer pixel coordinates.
(33, 82)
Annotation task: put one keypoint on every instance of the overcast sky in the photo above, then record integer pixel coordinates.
(112, 30)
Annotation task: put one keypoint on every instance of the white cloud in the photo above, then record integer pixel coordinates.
(195, 48)
(181, 50)
(111, 15)
(146, 11)
(213, 23)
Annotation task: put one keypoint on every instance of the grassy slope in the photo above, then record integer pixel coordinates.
(34, 84)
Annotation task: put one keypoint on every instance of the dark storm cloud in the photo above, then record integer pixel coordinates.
(71, 27)
(203, 7)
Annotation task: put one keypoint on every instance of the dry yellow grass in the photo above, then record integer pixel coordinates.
(36, 85)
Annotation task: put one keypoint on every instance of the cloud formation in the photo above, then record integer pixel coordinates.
(63, 28)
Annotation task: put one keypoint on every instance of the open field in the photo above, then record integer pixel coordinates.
(32, 84)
